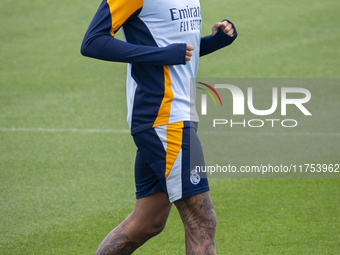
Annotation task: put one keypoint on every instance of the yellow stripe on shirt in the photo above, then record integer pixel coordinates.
(164, 110)
(121, 10)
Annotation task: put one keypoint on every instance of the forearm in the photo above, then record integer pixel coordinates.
(106, 47)
(215, 42)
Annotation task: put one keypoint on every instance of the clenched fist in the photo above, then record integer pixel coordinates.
(226, 26)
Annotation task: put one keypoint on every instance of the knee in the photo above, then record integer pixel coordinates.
(157, 227)
(154, 226)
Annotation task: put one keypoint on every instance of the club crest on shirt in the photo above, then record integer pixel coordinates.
(195, 177)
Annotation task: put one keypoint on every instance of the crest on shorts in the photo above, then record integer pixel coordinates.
(195, 177)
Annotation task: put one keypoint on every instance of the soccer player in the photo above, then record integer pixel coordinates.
(162, 47)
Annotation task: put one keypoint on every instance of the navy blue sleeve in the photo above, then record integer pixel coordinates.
(99, 43)
(211, 43)
(108, 48)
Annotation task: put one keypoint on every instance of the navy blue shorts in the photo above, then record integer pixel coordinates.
(166, 159)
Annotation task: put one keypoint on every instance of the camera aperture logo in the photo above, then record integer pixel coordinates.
(238, 105)
(204, 96)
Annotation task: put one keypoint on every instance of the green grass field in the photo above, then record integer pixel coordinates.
(66, 157)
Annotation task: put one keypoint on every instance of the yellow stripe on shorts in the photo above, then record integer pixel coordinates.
(174, 144)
